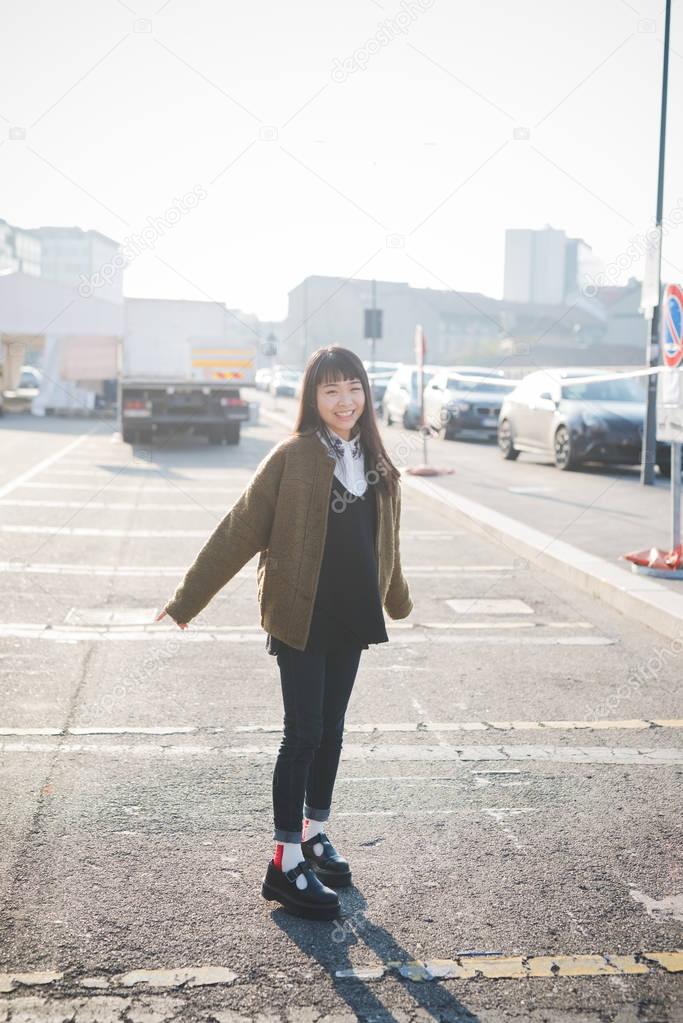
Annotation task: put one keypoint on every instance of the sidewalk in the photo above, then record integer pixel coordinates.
(651, 602)
(575, 525)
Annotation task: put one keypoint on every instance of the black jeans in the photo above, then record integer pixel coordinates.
(315, 691)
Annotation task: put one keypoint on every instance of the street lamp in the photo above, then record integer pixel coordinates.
(647, 468)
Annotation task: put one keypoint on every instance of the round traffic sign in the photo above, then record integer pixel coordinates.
(672, 325)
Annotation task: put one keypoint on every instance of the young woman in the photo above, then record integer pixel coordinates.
(323, 509)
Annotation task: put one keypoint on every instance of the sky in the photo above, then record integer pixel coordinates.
(256, 144)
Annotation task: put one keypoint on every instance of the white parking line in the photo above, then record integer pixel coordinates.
(63, 568)
(587, 755)
(144, 472)
(532, 490)
(157, 633)
(142, 469)
(546, 623)
(146, 534)
(635, 724)
(431, 534)
(456, 569)
(490, 726)
(106, 730)
(489, 606)
(115, 506)
(43, 465)
(114, 488)
(70, 568)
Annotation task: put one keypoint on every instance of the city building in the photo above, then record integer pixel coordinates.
(81, 259)
(72, 339)
(626, 327)
(20, 250)
(544, 267)
(460, 327)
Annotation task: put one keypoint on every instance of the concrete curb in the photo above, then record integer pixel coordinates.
(634, 596)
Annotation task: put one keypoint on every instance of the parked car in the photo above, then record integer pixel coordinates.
(262, 378)
(401, 399)
(284, 381)
(378, 385)
(600, 421)
(379, 366)
(29, 382)
(28, 386)
(379, 375)
(458, 402)
(477, 371)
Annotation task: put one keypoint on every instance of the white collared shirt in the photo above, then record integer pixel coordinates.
(350, 468)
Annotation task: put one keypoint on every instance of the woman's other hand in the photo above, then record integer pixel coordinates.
(163, 614)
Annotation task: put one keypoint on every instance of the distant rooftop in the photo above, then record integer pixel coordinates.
(47, 230)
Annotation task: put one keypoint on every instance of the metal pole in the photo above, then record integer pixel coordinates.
(119, 384)
(675, 493)
(374, 315)
(647, 468)
(305, 352)
(420, 354)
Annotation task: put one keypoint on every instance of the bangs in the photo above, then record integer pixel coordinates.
(337, 366)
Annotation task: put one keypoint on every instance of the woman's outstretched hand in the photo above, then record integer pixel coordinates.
(163, 615)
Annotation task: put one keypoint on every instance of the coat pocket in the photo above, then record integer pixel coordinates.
(275, 584)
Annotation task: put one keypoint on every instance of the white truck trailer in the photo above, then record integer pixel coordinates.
(181, 369)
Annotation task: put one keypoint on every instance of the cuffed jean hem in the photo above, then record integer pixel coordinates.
(314, 814)
(281, 835)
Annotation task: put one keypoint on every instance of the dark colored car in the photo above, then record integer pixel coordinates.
(458, 402)
(378, 385)
(599, 421)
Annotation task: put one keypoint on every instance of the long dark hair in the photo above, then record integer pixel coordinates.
(327, 365)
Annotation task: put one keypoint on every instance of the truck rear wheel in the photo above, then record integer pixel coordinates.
(128, 435)
(232, 433)
(215, 435)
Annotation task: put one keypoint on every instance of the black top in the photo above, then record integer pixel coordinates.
(347, 607)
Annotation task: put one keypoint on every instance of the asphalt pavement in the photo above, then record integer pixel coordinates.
(509, 794)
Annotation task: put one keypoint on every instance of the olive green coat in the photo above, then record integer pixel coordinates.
(283, 515)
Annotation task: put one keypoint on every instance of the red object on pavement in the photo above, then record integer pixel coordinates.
(428, 470)
(657, 558)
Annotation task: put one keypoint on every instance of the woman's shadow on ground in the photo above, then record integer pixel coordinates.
(330, 942)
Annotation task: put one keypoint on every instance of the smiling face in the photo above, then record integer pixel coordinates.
(340, 405)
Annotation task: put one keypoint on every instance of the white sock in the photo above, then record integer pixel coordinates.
(310, 829)
(291, 855)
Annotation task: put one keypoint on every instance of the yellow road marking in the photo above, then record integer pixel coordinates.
(570, 966)
(627, 964)
(244, 363)
(221, 350)
(671, 961)
(498, 966)
(465, 967)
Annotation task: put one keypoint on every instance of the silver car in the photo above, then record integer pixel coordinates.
(598, 421)
(401, 400)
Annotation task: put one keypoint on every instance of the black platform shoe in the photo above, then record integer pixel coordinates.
(315, 901)
(330, 866)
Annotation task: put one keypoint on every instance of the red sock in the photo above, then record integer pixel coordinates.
(277, 858)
